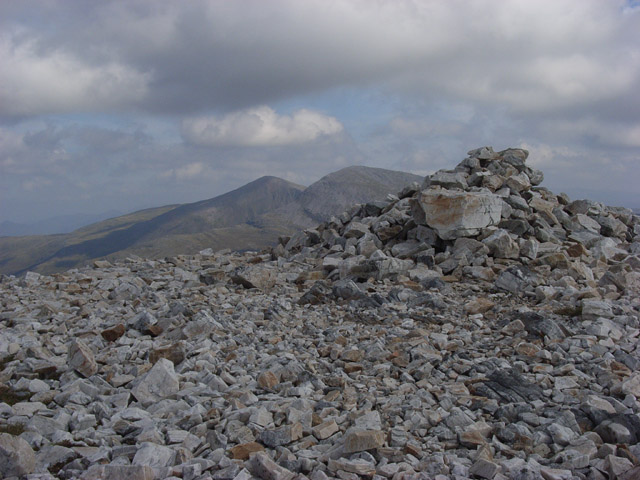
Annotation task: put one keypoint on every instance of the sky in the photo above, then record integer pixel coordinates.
(122, 105)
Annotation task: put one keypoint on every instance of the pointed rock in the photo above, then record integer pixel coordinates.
(158, 383)
(16, 456)
(81, 359)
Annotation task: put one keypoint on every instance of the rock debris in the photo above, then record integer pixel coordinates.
(477, 326)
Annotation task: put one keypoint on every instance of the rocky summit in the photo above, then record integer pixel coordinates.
(477, 326)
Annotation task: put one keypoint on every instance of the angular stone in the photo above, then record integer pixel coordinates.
(479, 305)
(358, 466)
(356, 230)
(518, 183)
(325, 429)
(447, 180)
(119, 472)
(281, 436)
(612, 431)
(592, 309)
(501, 245)
(53, 457)
(484, 469)
(255, 276)
(631, 386)
(618, 466)
(113, 333)
(364, 440)
(510, 386)
(267, 380)
(176, 353)
(471, 439)
(513, 279)
(81, 359)
(459, 214)
(158, 383)
(153, 455)
(244, 450)
(263, 467)
(548, 473)
(17, 458)
(597, 409)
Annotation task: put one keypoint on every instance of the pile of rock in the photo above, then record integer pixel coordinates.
(486, 218)
(477, 326)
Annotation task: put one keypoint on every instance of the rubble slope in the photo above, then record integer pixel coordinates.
(474, 326)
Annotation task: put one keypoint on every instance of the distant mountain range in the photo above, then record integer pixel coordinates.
(58, 224)
(250, 217)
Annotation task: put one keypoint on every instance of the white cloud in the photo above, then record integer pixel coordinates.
(185, 172)
(36, 82)
(259, 127)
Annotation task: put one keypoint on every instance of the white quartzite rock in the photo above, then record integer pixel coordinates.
(81, 359)
(158, 383)
(456, 214)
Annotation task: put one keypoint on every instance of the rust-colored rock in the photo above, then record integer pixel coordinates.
(114, 333)
(175, 353)
(244, 450)
(267, 380)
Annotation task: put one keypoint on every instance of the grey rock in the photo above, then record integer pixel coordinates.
(16, 456)
(81, 359)
(510, 386)
(153, 455)
(160, 382)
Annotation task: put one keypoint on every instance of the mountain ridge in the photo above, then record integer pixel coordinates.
(252, 216)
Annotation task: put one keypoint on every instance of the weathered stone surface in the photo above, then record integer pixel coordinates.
(484, 469)
(397, 353)
(459, 214)
(267, 380)
(113, 333)
(119, 472)
(16, 456)
(160, 382)
(81, 359)
(325, 429)
(153, 455)
(255, 276)
(243, 451)
(509, 385)
(263, 467)
(363, 440)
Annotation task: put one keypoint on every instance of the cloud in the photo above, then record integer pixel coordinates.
(186, 172)
(177, 57)
(34, 82)
(229, 91)
(259, 127)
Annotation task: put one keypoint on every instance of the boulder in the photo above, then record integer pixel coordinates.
(16, 456)
(158, 383)
(454, 214)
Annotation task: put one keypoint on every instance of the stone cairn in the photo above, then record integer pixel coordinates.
(477, 326)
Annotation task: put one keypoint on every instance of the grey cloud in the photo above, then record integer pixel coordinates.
(77, 169)
(558, 77)
(203, 55)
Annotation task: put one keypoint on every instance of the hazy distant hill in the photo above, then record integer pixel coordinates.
(250, 217)
(49, 226)
(339, 190)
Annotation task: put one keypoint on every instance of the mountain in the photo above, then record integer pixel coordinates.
(250, 217)
(53, 225)
(339, 190)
